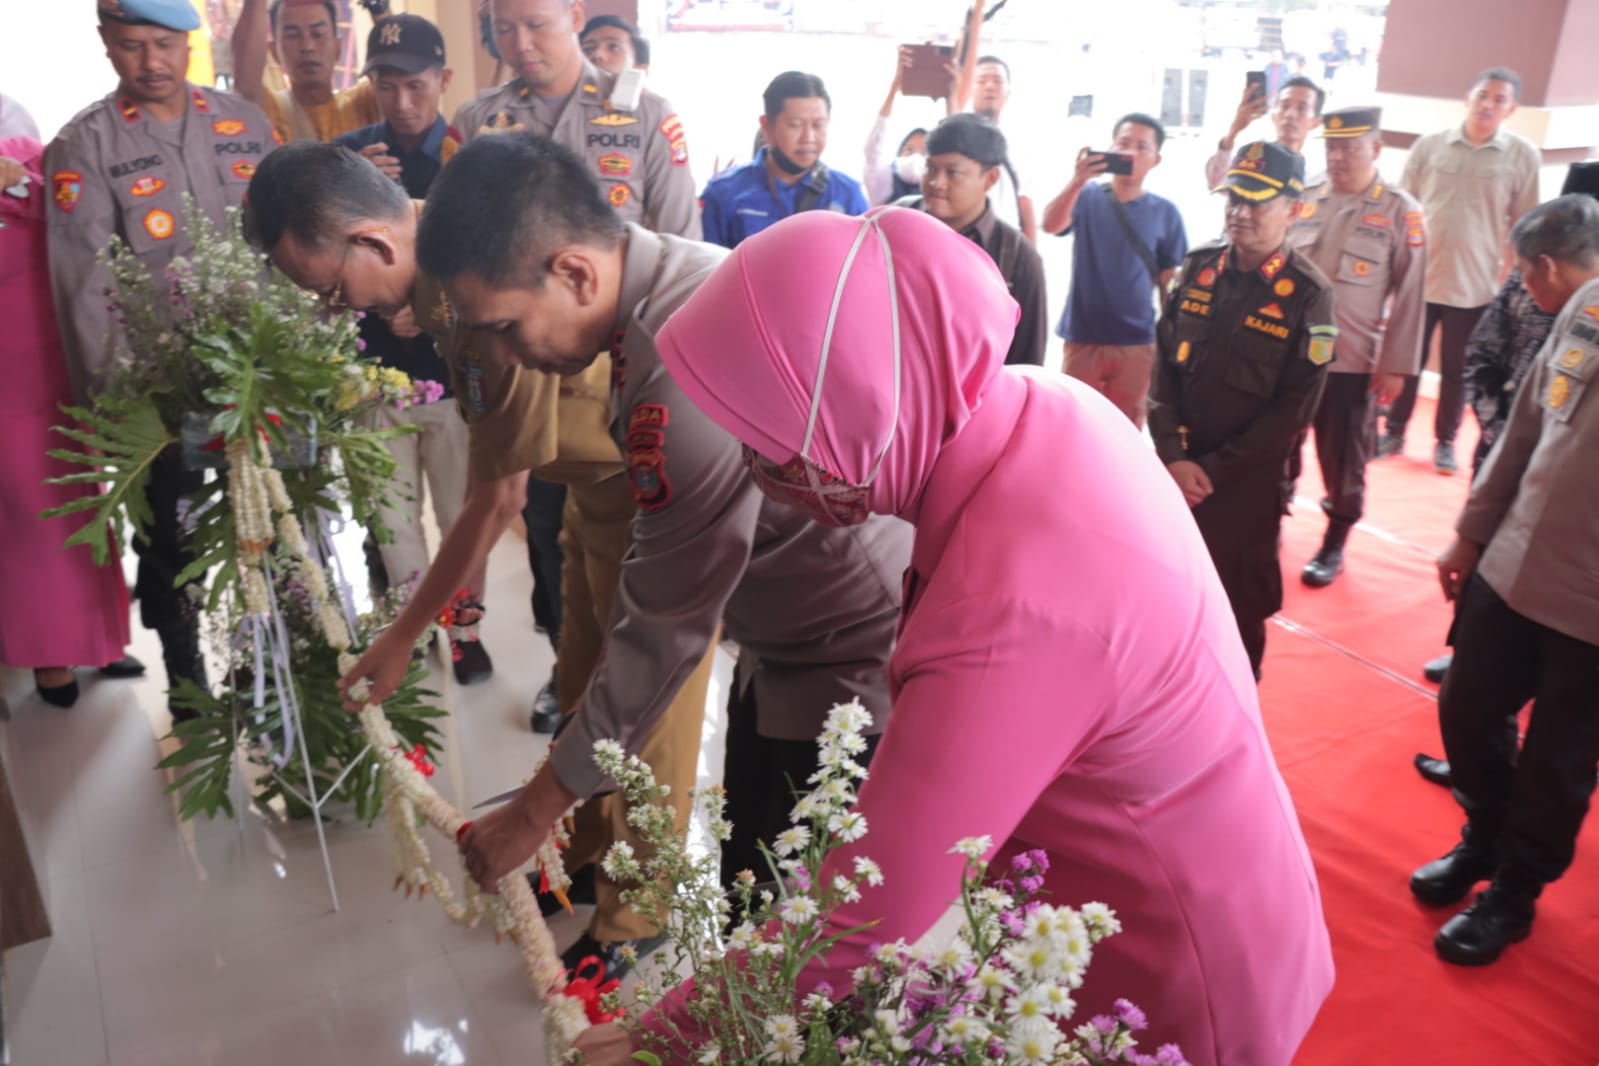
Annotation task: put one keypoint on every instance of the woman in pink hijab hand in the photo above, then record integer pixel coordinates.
(1068, 674)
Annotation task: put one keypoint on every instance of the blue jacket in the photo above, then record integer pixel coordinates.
(743, 200)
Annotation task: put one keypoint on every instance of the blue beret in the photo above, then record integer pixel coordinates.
(168, 14)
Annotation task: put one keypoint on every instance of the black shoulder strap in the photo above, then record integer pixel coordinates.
(814, 188)
(1137, 242)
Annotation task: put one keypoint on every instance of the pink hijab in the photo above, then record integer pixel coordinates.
(861, 345)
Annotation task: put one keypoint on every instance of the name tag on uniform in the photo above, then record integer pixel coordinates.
(475, 400)
(1261, 325)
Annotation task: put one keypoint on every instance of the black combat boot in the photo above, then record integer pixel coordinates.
(1499, 916)
(1324, 569)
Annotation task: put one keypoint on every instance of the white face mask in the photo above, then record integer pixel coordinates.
(910, 168)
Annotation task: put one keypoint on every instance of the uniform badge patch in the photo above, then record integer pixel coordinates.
(1273, 266)
(619, 195)
(1592, 311)
(1573, 359)
(1309, 211)
(1284, 287)
(1184, 350)
(646, 462)
(615, 165)
(614, 118)
(159, 223)
(1380, 221)
(66, 186)
(1559, 391)
(1415, 229)
(1321, 344)
(1207, 278)
(227, 127)
(672, 129)
(243, 169)
(201, 104)
(147, 186)
(1271, 310)
(1362, 268)
(501, 122)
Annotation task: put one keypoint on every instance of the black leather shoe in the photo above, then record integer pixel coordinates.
(59, 695)
(1324, 569)
(123, 668)
(547, 709)
(472, 663)
(1451, 878)
(614, 957)
(1433, 769)
(1435, 669)
(578, 893)
(1479, 934)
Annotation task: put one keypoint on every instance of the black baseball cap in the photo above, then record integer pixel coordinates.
(1264, 171)
(406, 42)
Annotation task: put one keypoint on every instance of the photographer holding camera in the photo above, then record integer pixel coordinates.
(1129, 243)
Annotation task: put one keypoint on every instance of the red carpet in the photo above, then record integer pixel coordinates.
(1346, 707)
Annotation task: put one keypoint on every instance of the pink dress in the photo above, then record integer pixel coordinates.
(1068, 675)
(56, 607)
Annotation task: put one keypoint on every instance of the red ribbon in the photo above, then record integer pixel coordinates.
(588, 990)
(461, 832)
(216, 444)
(419, 759)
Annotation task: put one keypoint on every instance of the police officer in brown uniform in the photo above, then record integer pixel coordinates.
(121, 167)
(1368, 237)
(637, 151)
(551, 278)
(1242, 351)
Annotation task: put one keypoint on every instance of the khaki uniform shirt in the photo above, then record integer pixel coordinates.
(639, 157)
(813, 609)
(1373, 247)
(350, 109)
(113, 170)
(520, 420)
(1472, 196)
(1533, 504)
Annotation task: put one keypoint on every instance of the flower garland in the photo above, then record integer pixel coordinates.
(257, 492)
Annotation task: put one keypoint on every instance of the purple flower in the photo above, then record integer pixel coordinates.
(1170, 1055)
(1131, 1016)
(1031, 884)
(1104, 1023)
(1040, 859)
(1021, 863)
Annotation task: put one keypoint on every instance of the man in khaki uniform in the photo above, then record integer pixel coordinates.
(518, 420)
(1368, 237)
(1474, 181)
(1521, 573)
(637, 151)
(121, 167)
(303, 36)
(813, 609)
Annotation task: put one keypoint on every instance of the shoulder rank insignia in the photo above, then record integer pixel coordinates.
(1559, 391)
(1376, 192)
(1184, 350)
(1321, 344)
(1273, 266)
(129, 109)
(66, 188)
(201, 104)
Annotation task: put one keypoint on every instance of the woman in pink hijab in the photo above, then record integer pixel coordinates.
(56, 607)
(1068, 674)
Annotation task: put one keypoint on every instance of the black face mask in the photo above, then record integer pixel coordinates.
(784, 163)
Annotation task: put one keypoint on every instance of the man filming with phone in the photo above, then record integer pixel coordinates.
(1295, 113)
(1128, 245)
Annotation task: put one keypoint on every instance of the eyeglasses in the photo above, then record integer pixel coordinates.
(333, 296)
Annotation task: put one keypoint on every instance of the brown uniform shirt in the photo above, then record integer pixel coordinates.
(639, 157)
(1372, 245)
(114, 170)
(1534, 505)
(814, 610)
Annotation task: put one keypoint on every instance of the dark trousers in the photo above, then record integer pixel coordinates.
(1529, 808)
(163, 553)
(542, 514)
(1242, 528)
(1456, 324)
(1346, 429)
(761, 776)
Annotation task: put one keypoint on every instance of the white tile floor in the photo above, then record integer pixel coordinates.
(182, 944)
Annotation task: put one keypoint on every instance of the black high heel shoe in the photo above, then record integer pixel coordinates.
(58, 695)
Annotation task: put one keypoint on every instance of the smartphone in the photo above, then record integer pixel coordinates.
(1116, 162)
(926, 75)
(1255, 80)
